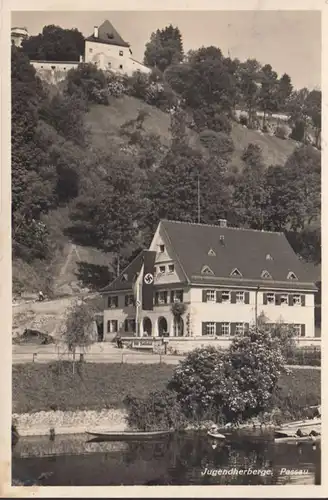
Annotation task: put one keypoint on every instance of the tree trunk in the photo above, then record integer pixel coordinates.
(73, 361)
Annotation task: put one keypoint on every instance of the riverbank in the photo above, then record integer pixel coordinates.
(69, 422)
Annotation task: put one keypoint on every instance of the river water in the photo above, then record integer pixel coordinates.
(186, 459)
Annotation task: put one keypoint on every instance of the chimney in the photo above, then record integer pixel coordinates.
(223, 222)
(95, 32)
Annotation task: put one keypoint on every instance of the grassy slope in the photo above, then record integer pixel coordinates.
(38, 387)
(105, 121)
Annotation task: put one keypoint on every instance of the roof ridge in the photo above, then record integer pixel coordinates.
(219, 227)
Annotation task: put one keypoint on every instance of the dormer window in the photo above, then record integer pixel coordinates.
(268, 257)
(171, 268)
(207, 270)
(162, 248)
(125, 277)
(162, 269)
(236, 273)
(266, 275)
(211, 253)
(291, 276)
(222, 239)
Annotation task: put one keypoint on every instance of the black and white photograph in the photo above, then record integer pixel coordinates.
(165, 247)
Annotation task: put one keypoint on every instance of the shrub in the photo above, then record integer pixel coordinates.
(160, 410)
(137, 85)
(233, 385)
(282, 131)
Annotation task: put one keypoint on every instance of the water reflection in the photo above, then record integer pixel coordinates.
(180, 460)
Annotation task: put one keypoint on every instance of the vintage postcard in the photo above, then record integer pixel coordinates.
(162, 249)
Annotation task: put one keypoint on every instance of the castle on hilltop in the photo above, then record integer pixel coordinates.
(105, 48)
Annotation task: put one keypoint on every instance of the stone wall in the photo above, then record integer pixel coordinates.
(69, 422)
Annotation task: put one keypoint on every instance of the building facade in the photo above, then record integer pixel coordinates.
(224, 278)
(107, 49)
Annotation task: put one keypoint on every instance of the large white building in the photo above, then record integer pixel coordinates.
(106, 48)
(225, 277)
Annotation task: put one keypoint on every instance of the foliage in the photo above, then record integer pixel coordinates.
(78, 328)
(282, 131)
(178, 309)
(233, 385)
(55, 44)
(88, 82)
(160, 410)
(94, 276)
(304, 357)
(164, 48)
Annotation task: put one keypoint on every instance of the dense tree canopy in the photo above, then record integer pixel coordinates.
(55, 44)
(164, 48)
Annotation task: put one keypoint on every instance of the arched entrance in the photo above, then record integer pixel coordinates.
(147, 326)
(162, 327)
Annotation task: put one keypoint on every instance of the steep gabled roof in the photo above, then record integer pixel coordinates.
(108, 34)
(125, 280)
(244, 249)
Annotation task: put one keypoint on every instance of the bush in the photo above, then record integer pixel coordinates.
(282, 131)
(304, 357)
(158, 411)
(233, 385)
(137, 85)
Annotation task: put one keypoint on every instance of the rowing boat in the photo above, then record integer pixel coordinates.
(216, 435)
(296, 439)
(128, 435)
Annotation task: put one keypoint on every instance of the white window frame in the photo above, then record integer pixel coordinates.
(273, 296)
(297, 302)
(298, 330)
(210, 296)
(285, 296)
(225, 329)
(161, 297)
(228, 299)
(210, 328)
(241, 328)
(176, 298)
(171, 271)
(241, 299)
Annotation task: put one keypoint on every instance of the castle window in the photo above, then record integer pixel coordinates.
(121, 67)
(90, 51)
(210, 328)
(240, 328)
(171, 268)
(121, 52)
(225, 329)
(270, 297)
(162, 248)
(240, 297)
(162, 269)
(297, 300)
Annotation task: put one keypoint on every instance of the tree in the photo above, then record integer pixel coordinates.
(55, 44)
(313, 110)
(268, 96)
(164, 48)
(109, 219)
(79, 328)
(284, 91)
(233, 385)
(86, 81)
(250, 197)
(248, 86)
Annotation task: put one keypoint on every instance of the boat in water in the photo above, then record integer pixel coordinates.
(128, 435)
(300, 431)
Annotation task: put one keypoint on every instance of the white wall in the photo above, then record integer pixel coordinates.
(245, 313)
(52, 71)
(108, 57)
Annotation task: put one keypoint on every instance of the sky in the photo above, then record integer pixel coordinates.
(288, 40)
